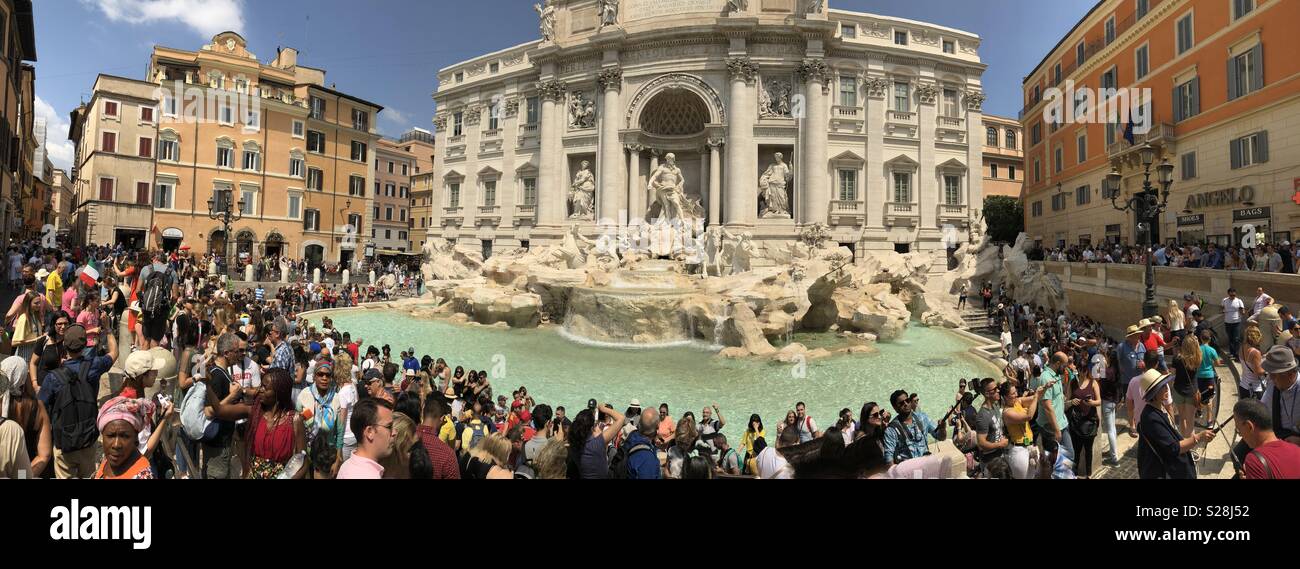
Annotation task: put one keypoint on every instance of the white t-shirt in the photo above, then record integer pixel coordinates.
(1189, 310)
(1232, 308)
(347, 398)
(1261, 301)
(773, 466)
(247, 373)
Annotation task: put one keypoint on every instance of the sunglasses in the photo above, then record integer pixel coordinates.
(389, 426)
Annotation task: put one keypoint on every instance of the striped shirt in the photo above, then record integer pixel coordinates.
(259, 293)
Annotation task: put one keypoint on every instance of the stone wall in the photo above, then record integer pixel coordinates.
(1112, 294)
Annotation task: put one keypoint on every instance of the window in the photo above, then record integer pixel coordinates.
(295, 206)
(495, 67)
(248, 198)
(848, 185)
(163, 195)
(1038, 170)
(1036, 133)
(169, 150)
(389, 190)
(401, 191)
(1143, 6)
(376, 212)
(356, 186)
(902, 97)
(1082, 195)
(1110, 30)
(952, 190)
(403, 211)
(900, 38)
(405, 169)
(227, 114)
(458, 124)
(848, 31)
(1188, 162)
(311, 220)
(317, 108)
(533, 112)
(1110, 133)
(902, 187)
(1081, 145)
(225, 156)
(315, 142)
(252, 160)
(494, 117)
(1037, 209)
(169, 106)
(1242, 7)
(991, 138)
(358, 151)
(253, 120)
(298, 129)
(106, 187)
(453, 191)
(848, 91)
(1011, 172)
(950, 108)
(1143, 60)
(315, 179)
(1060, 159)
(296, 165)
(142, 193)
(949, 46)
(401, 235)
(1079, 53)
(146, 114)
(1109, 80)
(1246, 73)
(1056, 74)
(388, 214)
(354, 219)
(108, 142)
(390, 166)
(1184, 29)
(360, 120)
(1187, 100)
(993, 171)
(1011, 139)
(1058, 202)
(145, 147)
(1249, 150)
(460, 76)
(110, 109)
(530, 191)
(388, 234)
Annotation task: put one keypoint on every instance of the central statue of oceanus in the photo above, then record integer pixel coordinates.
(678, 215)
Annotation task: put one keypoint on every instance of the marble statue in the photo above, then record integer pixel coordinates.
(608, 12)
(574, 248)
(666, 186)
(547, 16)
(774, 98)
(284, 269)
(582, 193)
(734, 6)
(772, 189)
(816, 6)
(715, 244)
(741, 253)
(582, 112)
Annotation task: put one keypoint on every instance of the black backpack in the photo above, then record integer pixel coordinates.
(155, 301)
(74, 410)
(618, 464)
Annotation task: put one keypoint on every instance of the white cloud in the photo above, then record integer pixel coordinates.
(57, 146)
(207, 17)
(394, 116)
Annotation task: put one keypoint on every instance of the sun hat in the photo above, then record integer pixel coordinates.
(1279, 359)
(1152, 381)
(141, 362)
(1145, 323)
(1133, 330)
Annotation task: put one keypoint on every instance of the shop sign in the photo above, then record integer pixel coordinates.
(1221, 197)
(1252, 213)
(1194, 219)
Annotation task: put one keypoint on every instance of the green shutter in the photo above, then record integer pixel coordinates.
(1261, 146)
(1232, 79)
(1178, 104)
(1196, 96)
(1234, 148)
(1257, 73)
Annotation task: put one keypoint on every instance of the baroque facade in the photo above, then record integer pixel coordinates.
(876, 121)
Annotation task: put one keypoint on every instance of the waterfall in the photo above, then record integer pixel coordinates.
(719, 324)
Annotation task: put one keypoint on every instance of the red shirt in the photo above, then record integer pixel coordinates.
(1153, 342)
(441, 455)
(353, 349)
(1283, 461)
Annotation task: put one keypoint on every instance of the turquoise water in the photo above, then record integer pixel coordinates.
(560, 372)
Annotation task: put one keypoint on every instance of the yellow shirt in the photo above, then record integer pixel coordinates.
(448, 432)
(747, 441)
(1020, 434)
(54, 290)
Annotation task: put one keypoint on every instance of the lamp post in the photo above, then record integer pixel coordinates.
(1146, 206)
(221, 211)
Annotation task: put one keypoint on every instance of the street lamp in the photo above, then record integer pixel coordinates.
(221, 211)
(1146, 206)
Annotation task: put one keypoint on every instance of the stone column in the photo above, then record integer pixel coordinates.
(612, 200)
(551, 194)
(742, 197)
(654, 160)
(974, 179)
(635, 192)
(928, 193)
(816, 189)
(876, 188)
(715, 181)
(704, 177)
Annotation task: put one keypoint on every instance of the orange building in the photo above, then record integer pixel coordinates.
(1224, 81)
(1004, 172)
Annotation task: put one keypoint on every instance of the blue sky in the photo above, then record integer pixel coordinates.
(389, 51)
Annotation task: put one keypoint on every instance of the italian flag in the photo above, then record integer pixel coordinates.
(90, 274)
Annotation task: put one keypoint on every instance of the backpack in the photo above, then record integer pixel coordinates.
(74, 410)
(194, 422)
(155, 300)
(618, 466)
(478, 431)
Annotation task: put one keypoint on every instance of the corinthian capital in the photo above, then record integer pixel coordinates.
(813, 70)
(742, 68)
(975, 101)
(611, 78)
(553, 90)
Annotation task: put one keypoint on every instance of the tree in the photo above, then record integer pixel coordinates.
(1005, 217)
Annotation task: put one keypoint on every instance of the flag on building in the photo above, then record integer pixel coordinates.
(90, 274)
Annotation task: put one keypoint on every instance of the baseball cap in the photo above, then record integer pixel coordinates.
(168, 369)
(74, 338)
(141, 362)
(372, 374)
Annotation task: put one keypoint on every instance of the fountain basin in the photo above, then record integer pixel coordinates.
(631, 317)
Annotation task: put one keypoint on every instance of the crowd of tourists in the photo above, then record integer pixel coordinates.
(1282, 257)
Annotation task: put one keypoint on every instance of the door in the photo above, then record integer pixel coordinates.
(487, 249)
(345, 258)
(314, 255)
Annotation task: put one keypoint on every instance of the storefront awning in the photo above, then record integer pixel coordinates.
(173, 233)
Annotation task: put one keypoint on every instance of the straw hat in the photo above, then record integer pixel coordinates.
(1133, 331)
(1152, 381)
(1145, 323)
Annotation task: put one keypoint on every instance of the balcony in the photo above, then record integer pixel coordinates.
(850, 212)
(956, 123)
(525, 214)
(1160, 135)
(847, 119)
(898, 123)
(901, 214)
(954, 214)
(488, 214)
(529, 135)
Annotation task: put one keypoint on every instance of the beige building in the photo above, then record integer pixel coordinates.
(418, 143)
(878, 121)
(16, 99)
(392, 198)
(1004, 171)
(62, 202)
(114, 133)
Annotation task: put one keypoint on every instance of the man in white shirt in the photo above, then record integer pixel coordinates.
(773, 466)
(1262, 299)
(1233, 311)
(1190, 306)
(1087, 255)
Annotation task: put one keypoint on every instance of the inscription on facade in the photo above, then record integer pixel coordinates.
(1221, 197)
(655, 8)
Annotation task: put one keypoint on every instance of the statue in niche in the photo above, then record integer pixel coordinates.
(666, 184)
(734, 6)
(582, 193)
(816, 6)
(774, 98)
(547, 16)
(582, 112)
(772, 189)
(608, 12)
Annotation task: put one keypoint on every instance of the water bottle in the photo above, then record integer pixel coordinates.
(292, 466)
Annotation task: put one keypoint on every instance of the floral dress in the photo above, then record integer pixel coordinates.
(272, 447)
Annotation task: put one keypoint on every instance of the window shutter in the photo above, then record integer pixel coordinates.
(1261, 146)
(1257, 79)
(1234, 148)
(1232, 78)
(1196, 96)
(1178, 104)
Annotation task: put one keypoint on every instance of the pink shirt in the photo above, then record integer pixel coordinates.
(70, 296)
(360, 468)
(1134, 394)
(89, 319)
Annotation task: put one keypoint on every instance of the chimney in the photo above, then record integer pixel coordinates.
(287, 58)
